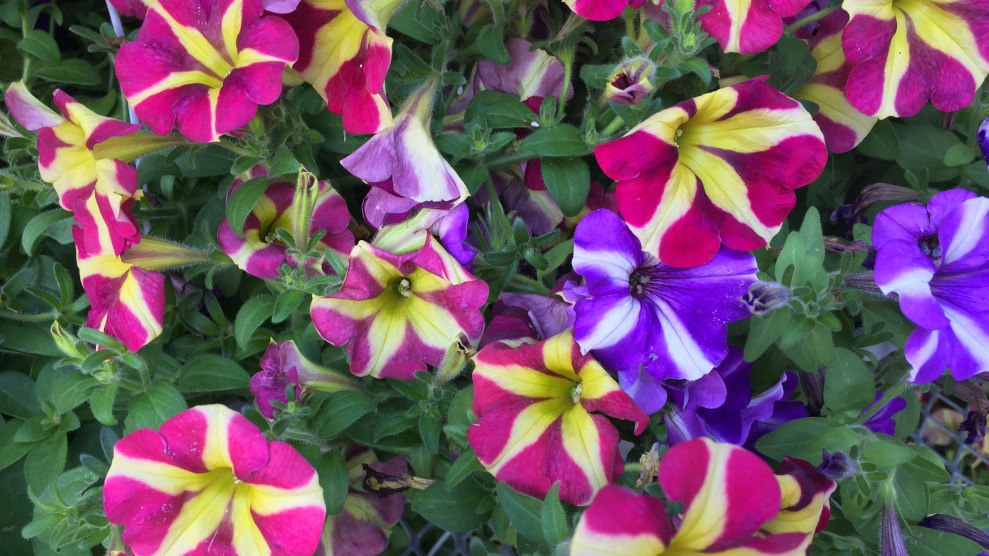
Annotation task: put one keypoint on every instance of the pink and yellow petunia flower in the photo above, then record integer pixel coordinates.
(399, 313)
(364, 524)
(345, 55)
(805, 495)
(747, 26)
(98, 191)
(126, 302)
(601, 10)
(905, 53)
(205, 66)
(209, 482)
(843, 125)
(541, 418)
(728, 494)
(716, 169)
(403, 166)
(259, 251)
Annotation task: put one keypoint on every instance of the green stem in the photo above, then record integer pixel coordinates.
(26, 72)
(567, 55)
(233, 148)
(894, 392)
(614, 126)
(30, 317)
(530, 284)
(508, 160)
(630, 22)
(809, 19)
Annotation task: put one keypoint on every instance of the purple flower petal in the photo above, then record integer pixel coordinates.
(903, 268)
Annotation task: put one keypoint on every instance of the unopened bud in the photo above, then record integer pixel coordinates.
(765, 297)
(890, 536)
(453, 362)
(66, 343)
(837, 466)
(157, 254)
(631, 81)
(303, 206)
(955, 526)
(983, 139)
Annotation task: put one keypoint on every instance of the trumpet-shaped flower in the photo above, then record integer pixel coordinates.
(205, 66)
(719, 168)
(398, 313)
(747, 26)
(641, 317)
(98, 191)
(905, 53)
(541, 418)
(728, 494)
(843, 125)
(601, 10)
(805, 493)
(126, 302)
(260, 252)
(404, 168)
(936, 259)
(283, 365)
(208, 482)
(345, 54)
(363, 525)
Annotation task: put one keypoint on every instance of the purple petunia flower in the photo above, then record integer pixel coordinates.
(647, 320)
(983, 139)
(882, 420)
(283, 365)
(721, 406)
(937, 261)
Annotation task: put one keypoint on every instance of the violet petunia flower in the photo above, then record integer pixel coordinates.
(283, 365)
(647, 320)
(721, 405)
(937, 262)
(882, 420)
(983, 139)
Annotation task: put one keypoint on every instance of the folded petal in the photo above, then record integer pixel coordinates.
(620, 521)
(27, 109)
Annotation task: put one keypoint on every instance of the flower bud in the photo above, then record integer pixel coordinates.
(765, 297)
(837, 466)
(890, 536)
(955, 526)
(66, 343)
(983, 139)
(631, 81)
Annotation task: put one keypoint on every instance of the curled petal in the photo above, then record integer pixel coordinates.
(620, 521)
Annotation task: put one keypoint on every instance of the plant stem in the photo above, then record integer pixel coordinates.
(508, 160)
(614, 126)
(30, 317)
(567, 54)
(894, 392)
(810, 19)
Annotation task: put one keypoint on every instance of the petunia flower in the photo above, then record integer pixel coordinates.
(205, 66)
(843, 125)
(363, 526)
(727, 493)
(805, 495)
(719, 168)
(747, 26)
(208, 481)
(936, 259)
(905, 53)
(132, 8)
(983, 139)
(345, 54)
(398, 313)
(647, 320)
(259, 251)
(526, 317)
(541, 412)
(532, 72)
(98, 191)
(403, 166)
(126, 302)
(882, 420)
(721, 405)
(601, 10)
(283, 365)
(631, 81)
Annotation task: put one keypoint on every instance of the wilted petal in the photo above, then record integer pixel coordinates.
(209, 480)
(27, 109)
(719, 168)
(531, 72)
(907, 53)
(540, 421)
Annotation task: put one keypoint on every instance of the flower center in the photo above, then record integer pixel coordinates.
(931, 246)
(404, 287)
(575, 393)
(643, 279)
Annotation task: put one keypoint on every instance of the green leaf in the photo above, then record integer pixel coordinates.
(805, 438)
(554, 518)
(29, 338)
(763, 332)
(465, 464)
(10, 451)
(333, 477)
(72, 71)
(150, 409)
(498, 110)
(37, 227)
(39, 44)
(923, 148)
(208, 372)
(524, 511)
(816, 349)
(250, 316)
(338, 411)
(45, 461)
(63, 389)
(921, 541)
(881, 142)
(886, 454)
(241, 201)
(848, 384)
(286, 304)
(557, 140)
(18, 395)
(5, 218)
(101, 402)
(491, 44)
(454, 510)
(958, 155)
(430, 428)
(568, 180)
